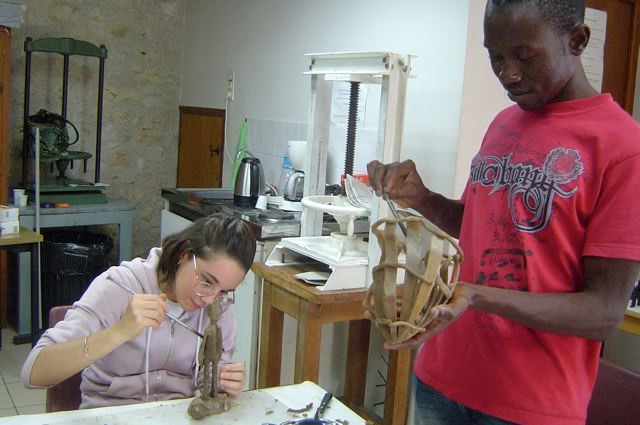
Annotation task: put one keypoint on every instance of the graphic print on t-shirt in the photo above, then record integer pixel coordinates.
(524, 194)
(531, 189)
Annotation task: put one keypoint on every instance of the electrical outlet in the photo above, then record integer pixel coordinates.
(230, 85)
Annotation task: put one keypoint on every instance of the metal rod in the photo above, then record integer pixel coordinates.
(395, 213)
(99, 119)
(184, 325)
(65, 85)
(25, 116)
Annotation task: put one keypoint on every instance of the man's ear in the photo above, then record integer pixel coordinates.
(578, 39)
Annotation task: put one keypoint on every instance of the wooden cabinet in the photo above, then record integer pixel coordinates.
(5, 49)
(200, 147)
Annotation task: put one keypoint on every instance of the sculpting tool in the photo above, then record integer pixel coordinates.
(169, 316)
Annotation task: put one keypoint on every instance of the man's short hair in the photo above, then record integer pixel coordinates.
(562, 15)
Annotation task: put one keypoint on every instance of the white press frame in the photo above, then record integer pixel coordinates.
(392, 71)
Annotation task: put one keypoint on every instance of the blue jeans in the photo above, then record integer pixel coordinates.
(433, 408)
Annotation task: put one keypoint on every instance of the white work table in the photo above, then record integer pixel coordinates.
(251, 407)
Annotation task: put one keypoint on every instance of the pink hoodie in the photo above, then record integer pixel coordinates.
(123, 376)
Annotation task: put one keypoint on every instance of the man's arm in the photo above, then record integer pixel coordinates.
(401, 182)
(594, 313)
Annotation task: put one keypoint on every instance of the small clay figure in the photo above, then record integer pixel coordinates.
(211, 401)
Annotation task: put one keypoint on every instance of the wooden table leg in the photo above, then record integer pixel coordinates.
(271, 326)
(357, 360)
(397, 395)
(309, 332)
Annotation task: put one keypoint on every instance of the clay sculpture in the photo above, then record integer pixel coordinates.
(211, 400)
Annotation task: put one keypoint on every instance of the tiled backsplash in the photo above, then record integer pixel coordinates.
(267, 139)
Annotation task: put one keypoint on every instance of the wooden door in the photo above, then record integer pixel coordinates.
(5, 49)
(621, 48)
(200, 147)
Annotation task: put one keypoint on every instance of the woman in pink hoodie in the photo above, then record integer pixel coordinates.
(103, 337)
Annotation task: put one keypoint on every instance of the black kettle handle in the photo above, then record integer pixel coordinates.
(323, 404)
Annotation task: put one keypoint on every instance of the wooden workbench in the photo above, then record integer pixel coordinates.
(311, 307)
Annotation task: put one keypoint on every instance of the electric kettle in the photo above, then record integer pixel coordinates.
(295, 186)
(249, 183)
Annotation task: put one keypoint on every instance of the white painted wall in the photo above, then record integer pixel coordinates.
(264, 42)
(482, 96)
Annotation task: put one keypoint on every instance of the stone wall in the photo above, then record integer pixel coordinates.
(141, 95)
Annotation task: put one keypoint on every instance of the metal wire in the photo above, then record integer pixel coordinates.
(395, 213)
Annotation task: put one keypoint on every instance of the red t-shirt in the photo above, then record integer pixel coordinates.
(546, 188)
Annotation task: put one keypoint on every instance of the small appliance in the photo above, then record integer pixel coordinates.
(249, 183)
(295, 187)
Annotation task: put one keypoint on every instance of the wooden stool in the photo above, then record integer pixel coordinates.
(311, 307)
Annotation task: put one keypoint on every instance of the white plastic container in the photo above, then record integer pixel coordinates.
(285, 173)
(9, 227)
(297, 150)
(8, 214)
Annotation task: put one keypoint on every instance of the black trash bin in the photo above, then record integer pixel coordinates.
(70, 261)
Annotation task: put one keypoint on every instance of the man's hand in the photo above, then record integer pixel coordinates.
(440, 317)
(232, 378)
(399, 180)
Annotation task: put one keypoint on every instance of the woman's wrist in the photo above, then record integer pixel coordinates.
(120, 333)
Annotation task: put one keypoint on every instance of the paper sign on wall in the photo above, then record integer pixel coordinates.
(340, 96)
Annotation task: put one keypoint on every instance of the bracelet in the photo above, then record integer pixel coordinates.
(85, 347)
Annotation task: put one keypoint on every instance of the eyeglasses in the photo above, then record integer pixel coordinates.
(202, 288)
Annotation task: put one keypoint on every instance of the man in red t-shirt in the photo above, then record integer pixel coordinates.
(548, 228)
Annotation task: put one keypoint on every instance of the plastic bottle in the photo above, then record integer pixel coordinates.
(285, 173)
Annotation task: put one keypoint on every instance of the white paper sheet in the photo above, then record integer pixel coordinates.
(593, 56)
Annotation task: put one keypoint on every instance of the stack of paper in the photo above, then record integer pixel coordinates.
(358, 193)
(9, 220)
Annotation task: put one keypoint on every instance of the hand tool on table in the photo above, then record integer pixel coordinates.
(323, 404)
(169, 316)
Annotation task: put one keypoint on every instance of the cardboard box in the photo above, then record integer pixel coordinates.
(9, 227)
(9, 213)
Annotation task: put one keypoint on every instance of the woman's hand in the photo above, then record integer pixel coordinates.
(231, 378)
(144, 311)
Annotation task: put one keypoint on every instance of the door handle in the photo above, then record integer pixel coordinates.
(213, 151)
